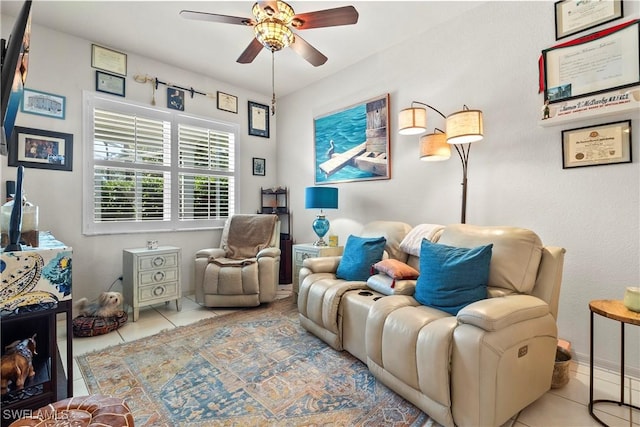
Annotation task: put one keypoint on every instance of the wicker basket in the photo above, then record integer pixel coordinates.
(561, 368)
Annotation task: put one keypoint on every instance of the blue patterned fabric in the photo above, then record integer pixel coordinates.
(358, 257)
(450, 277)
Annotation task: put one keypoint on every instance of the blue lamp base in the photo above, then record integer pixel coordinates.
(320, 227)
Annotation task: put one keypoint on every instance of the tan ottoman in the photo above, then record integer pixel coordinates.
(84, 411)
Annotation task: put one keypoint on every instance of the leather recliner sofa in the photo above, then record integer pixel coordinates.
(478, 368)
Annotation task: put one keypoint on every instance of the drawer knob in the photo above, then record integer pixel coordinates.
(158, 276)
(158, 261)
(158, 291)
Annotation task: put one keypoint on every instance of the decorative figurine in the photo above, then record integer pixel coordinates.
(545, 110)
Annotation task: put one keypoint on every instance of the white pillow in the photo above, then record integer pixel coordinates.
(413, 240)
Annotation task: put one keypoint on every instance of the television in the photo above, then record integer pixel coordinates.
(14, 55)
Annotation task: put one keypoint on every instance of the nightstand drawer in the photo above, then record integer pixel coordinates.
(153, 262)
(158, 276)
(162, 291)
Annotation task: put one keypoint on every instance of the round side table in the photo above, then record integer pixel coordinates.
(615, 310)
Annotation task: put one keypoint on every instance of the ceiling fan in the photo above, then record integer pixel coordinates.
(273, 22)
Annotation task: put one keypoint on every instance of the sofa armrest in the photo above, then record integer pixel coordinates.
(494, 314)
(271, 252)
(211, 253)
(327, 264)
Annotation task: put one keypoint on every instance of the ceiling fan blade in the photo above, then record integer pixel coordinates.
(308, 52)
(214, 17)
(250, 52)
(346, 15)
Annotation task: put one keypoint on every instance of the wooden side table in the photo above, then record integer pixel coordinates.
(615, 310)
(151, 276)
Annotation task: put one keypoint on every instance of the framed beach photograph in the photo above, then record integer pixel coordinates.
(258, 119)
(259, 166)
(108, 60)
(574, 16)
(352, 144)
(41, 149)
(110, 83)
(596, 63)
(603, 144)
(43, 104)
(227, 102)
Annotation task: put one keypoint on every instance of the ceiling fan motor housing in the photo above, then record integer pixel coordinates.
(272, 28)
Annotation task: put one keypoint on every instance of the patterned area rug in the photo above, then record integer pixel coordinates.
(255, 367)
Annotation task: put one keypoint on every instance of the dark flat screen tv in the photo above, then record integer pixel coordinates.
(15, 64)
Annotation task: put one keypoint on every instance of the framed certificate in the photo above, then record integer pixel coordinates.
(108, 60)
(227, 102)
(573, 16)
(597, 145)
(258, 119)
(596, 63)
(110, 83)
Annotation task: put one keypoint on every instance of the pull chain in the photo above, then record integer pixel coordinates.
(273, 84)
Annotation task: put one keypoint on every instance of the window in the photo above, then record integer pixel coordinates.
(149, 169)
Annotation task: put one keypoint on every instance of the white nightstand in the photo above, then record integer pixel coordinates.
(308, 250)
(151, 276)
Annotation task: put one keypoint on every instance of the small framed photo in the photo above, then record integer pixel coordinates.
(110, 83)
(259, 166)
(227, 102)
(575, 16)
(258, 119)
(175, 98)
(604, 144)
(108, 60)
(41, 149)
(43, 104)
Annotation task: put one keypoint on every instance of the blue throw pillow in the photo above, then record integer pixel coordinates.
(451, 278)
(360, 253)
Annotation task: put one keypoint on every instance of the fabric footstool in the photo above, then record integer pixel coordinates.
(84, 411)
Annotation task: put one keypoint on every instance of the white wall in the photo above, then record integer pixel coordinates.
(486, 59)
(61, 64)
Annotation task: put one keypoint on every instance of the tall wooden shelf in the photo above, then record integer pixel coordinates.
(276, 201)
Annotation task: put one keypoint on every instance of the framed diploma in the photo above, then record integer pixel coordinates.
(600, 62)
(604, 144)
(258, 119)
(110, 83)
(108, 60)
(227, 102)
(573, 16)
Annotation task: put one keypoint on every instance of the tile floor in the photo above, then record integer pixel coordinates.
(566, 406)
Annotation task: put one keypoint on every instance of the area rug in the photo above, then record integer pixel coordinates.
(254, 367)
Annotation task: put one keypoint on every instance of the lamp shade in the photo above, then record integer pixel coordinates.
(465, 127)
(321, 198)
(412, 121)
(434, 147)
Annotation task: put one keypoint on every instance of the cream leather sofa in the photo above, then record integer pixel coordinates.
(478, 368)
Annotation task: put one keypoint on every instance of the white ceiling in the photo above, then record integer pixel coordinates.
(156, 30)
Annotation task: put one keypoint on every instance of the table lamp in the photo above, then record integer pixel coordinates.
(321, 198)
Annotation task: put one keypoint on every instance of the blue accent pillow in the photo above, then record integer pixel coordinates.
(359, 254)
(450, 277)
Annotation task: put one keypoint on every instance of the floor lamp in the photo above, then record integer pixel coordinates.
(462, 128)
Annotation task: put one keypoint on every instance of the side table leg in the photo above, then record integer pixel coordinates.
(136, 313)
(591, 365)
(179, 304)
(621, 363)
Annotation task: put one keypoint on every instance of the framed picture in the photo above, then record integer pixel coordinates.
(108, 60)
(41, 149)
(596, 63)
(259, 166)
(604, 144)
(110, 83)
(227, 102)
(352, 144)
(258, 119)
(175, 98)
(573, 16)
(43, 103)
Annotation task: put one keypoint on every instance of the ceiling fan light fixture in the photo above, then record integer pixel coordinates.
(284, 13)
(273, 34)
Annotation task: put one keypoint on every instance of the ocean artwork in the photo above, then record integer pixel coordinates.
(353, 144)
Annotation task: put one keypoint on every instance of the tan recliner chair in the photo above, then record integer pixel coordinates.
(244, 270)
